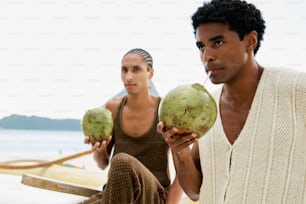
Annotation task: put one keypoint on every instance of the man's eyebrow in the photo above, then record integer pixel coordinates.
(212, 39)
(133, 66)
(217, 37)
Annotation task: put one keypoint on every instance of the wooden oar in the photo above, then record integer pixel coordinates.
(5, 165)
(59, 186)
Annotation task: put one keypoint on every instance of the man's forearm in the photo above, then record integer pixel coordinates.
(187, 173)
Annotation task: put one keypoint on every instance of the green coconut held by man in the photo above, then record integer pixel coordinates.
(190, 108)
(97, 123)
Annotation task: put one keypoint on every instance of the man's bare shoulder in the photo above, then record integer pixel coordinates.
(156, 97)
(113, 104)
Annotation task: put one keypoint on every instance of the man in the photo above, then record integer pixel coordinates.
(138, 171)
(255, 152)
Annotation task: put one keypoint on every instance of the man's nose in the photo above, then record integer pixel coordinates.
(208, 55)
(129, 75)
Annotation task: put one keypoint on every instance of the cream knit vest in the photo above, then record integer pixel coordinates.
(267, 163)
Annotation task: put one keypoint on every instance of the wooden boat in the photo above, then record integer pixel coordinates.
(56, 170)
(60, 186)
(56, 176)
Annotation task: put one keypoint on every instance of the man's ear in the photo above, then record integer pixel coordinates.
(151, 73)
(251, 40)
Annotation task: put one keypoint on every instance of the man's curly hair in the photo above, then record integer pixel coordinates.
(240, 16)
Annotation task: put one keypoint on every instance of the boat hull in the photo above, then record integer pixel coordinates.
(91, 178)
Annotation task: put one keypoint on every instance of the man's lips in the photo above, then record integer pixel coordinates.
(130, 85)
(213, 70)
(212, 67)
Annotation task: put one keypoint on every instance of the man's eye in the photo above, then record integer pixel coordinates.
(136, 69)
(200, 46)
(219, 42)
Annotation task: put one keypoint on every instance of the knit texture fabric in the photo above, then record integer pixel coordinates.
(267, 162)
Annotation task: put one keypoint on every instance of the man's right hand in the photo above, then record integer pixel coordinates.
(101, 155)
(176, 139)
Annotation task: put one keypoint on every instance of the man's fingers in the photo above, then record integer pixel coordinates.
(96, 146)
(86, 140)
(160, 127)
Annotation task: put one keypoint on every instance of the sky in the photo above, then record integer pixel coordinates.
(59, 58)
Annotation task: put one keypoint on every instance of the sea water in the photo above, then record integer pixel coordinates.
(22, 143)
(42, 145)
